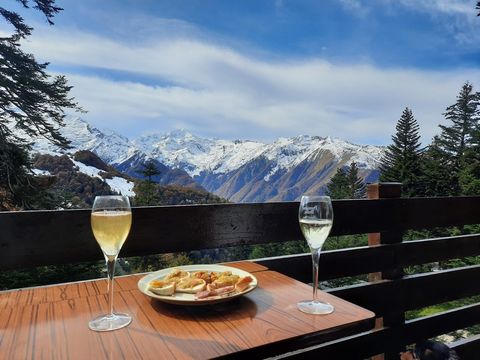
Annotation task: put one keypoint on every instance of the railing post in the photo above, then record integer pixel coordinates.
(394, 318)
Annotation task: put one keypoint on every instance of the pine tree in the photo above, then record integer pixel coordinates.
(31, 101)
(149, 170)
(402, 159)
(147, 192)
(469, 176)
(435, 175)
(452, 144)
(356, 185)
(346, 184)
(337, 188)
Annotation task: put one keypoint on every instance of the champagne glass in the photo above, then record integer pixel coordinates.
(315, 216)
(111, 220)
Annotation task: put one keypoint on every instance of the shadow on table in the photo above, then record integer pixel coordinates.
(238, 308)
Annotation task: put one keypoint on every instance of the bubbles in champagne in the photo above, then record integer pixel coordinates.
(111, 229)
(315, 231)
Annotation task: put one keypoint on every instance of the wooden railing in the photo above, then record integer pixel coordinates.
(54, 237)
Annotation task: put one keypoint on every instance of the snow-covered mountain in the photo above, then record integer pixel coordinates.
(240, 170)
(181, 149)
(114, 149)
(108, 145)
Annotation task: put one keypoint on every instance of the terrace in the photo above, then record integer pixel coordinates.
(38, 238)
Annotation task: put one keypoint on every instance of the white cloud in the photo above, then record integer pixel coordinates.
(216, 91)
(458, 17)
(447, 7)
(355, 6)
(451, 7)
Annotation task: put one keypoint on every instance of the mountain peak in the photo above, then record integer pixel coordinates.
(179, 133)
(213, 162)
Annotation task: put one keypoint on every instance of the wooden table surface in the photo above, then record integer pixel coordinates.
(50, 322)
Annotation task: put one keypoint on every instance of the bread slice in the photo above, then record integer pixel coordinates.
(191, 285)
(160, 287)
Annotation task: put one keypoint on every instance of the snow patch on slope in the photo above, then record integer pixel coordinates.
(39, 172)
(117, 184)
(121, 185)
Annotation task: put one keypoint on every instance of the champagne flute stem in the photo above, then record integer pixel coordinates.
(315, 261)
(110, 274)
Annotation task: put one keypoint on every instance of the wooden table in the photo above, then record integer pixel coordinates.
(50, 322)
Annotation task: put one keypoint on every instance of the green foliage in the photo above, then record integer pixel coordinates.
(50, 275)
(149, 170)
(151, 194)
(356, 185)
(277, 249)
(337, 188)
(346, 184)
(15, 178)
(155, 262)
(469, 175)
(431, 310)
(31, 101)
(435, 175)
(346, 241)
(19, 187)
(402, 160)
(146, 194)
(448, 168)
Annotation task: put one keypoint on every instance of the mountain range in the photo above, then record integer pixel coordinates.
(238, 170)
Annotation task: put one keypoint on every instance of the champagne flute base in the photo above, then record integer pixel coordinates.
(315, 307)
(110, 322)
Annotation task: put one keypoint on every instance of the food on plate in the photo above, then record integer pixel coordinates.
(216, 292)
(243, 283)
(177, 275)
(203, 284)
(191, 285)
(225, 279)
(208, 276)
(239, 286)
(161, 287)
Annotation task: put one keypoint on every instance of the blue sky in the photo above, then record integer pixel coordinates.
(255, 69)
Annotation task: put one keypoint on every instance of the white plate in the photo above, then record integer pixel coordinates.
(189, 299)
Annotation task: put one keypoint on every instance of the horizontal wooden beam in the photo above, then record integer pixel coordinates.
(53, 237)
(390, 215)
(375, 342)
(415, 291)
(367, 259)
(439, 249)
(32, 238)
(468, 348)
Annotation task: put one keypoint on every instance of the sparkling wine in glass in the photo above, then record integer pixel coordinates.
(315, 216)
(111, 220)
